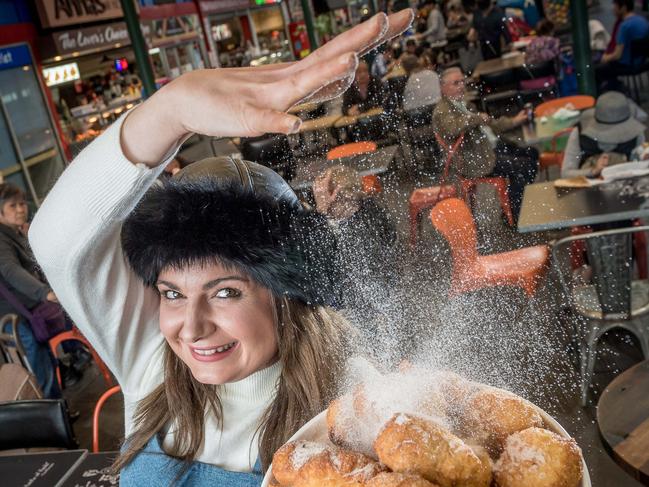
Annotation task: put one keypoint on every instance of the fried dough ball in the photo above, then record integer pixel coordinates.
(309, 464)
(338, 468)
(288, 460)
(392, 479)
(418, 445)
(491, 415)
(537, 457)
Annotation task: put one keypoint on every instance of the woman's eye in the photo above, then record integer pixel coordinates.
(170, 295)
(228, 292)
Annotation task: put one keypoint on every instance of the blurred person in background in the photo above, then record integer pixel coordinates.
(435, 25)
(631, 28)
(490, 29)
(423, 87)
(383, 62)
(543, 47)
(20, 275)
(482, 152)
(365, 93)
(606, 135)
(367, 238)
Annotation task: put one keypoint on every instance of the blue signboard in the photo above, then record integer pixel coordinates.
(15, 56)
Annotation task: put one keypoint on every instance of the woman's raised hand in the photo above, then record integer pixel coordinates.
(250, 101)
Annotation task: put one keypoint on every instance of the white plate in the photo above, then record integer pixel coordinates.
(316, 430)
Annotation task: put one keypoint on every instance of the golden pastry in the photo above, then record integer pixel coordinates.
(537, 457)
(392, 479)
(418, 445)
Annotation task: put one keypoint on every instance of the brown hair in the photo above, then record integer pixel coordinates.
(8, 192)
(310, 340)
(544, 27)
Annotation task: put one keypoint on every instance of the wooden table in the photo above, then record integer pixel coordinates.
(319, 123)
(623, 420)
(499, 64)
(303, 107)
(548, 208)
(347, 120)
(373, 163)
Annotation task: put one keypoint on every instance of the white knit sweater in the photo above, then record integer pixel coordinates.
(76, 239)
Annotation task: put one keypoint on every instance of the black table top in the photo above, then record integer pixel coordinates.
(373, 163)
(548, 208)
(93, 470)
(41, 469)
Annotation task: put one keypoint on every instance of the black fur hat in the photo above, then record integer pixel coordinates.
(244, 215)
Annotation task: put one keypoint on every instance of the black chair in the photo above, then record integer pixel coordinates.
(499, 93)
(537, 71)
(39, 423)
(273, 151)
(421, 135)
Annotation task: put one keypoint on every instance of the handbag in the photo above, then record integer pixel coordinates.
(47, 318)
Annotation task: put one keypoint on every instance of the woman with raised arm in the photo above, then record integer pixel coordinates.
(206, 295)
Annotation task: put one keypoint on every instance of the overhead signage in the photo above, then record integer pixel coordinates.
(63, 73)
(216, 6)
(58, 13)
(91, 38)
(15, 56)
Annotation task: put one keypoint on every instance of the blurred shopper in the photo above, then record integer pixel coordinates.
(606, 135)
(365, 93)
(490, 29)
(544, 47)
(19, 274)
(435, 25)
(482, 152)
(632, 27)
(423, 87)
(366, 236)
(383, 62)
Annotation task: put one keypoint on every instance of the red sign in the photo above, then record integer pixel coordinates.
(299, 39)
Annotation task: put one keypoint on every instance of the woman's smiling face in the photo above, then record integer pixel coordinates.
(218, 321)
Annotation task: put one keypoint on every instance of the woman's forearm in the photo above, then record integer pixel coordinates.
(152, 129)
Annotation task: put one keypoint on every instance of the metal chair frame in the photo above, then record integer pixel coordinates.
(12, 340)
(612, 261)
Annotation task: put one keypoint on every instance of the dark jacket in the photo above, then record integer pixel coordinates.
(375, 96)
(19, 272)
(477, 157)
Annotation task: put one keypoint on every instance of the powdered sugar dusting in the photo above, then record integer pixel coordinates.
(305, 451)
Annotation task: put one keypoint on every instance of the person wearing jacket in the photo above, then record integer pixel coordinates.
(482, 153)
(19, 274)
(207, 295)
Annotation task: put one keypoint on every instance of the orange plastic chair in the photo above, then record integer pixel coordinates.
(422, 199)
(523, 268)
(371, 184)
(75, 334)
(553, 157)
(353, 149)
(468, 186)
(580, 102)
(95, 416)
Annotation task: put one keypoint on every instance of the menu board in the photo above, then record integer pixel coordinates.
(94, 471)
(38, 469)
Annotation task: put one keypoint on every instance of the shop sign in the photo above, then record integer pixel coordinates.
(63, 73)
(91, 38)
(215, 6)
(57, 13)
(15, 57)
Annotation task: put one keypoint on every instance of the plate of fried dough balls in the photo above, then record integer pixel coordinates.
(418, 428)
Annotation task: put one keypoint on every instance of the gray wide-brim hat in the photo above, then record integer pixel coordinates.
(612, 121)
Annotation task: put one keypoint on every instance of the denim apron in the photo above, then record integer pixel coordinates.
(152, 466)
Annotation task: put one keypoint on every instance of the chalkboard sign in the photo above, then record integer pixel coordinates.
(94, 471)
(38, 469)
